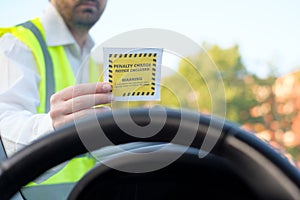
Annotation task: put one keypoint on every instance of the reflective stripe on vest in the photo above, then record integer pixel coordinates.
(63, 77)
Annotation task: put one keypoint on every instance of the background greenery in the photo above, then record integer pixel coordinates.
(216, 78)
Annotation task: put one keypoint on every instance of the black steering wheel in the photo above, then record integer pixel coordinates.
(211, 157)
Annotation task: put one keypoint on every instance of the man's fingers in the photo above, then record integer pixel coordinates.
(78, 99)
(88, 101)
(85, 102)
(63, 119)
(90, 112)
(81, 89)
(87, 112)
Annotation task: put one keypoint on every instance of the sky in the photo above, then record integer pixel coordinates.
(266, 31)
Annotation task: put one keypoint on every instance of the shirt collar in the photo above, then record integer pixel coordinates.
(56, 31)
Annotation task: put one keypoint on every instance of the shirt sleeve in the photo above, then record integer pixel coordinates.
(20, 124)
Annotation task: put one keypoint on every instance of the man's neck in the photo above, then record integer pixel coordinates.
(80, 36)
(81, 40)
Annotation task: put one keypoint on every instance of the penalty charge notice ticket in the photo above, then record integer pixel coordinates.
(134, 73)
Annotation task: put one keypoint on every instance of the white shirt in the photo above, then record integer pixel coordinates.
(19, 81)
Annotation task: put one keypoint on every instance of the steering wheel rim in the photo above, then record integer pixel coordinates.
(233, 143)
(185, 178)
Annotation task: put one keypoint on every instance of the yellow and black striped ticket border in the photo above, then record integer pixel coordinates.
(116, 56)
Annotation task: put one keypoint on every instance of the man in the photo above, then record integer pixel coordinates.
(28, 109)
(65, 25)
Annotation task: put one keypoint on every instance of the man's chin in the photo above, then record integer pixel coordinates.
(87, 21)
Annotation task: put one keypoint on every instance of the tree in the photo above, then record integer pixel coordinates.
(220, 74)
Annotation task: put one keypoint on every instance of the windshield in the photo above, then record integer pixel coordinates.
(235, 60)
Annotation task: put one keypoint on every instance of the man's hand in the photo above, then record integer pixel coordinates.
(78, 101)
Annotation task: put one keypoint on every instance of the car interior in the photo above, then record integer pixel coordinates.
(191, 156)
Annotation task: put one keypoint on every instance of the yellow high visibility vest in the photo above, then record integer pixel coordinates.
(62, 77)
